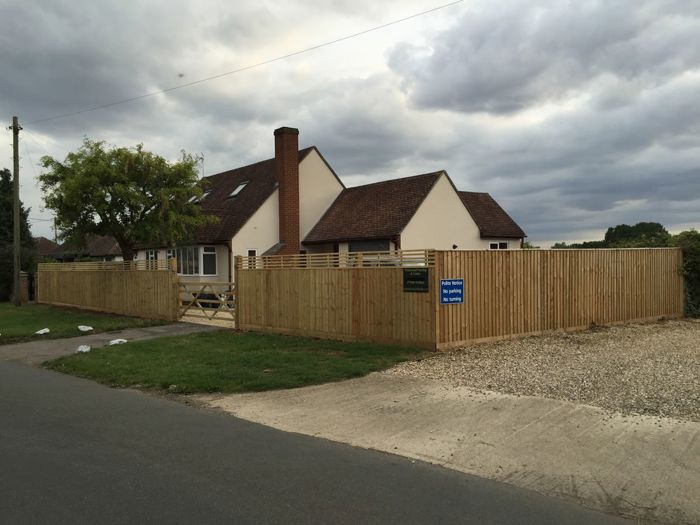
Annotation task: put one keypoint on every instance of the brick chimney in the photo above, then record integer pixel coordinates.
(287, 175)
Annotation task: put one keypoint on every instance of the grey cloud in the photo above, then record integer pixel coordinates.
(616, 140)
(503, 58)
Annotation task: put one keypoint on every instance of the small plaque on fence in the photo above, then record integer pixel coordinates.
(415, 280)
(451, 291)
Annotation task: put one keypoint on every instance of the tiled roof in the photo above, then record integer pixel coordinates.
(44, 246)
(373, 211)
(96, 246)
(234, 212)
(492, 220)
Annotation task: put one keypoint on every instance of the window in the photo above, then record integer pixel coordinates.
(238, 189)
(209, 260)
(151, 255)
(498, 246)
(170, 254)
(370, 246)
(187, 260)
(251, 262)
(206, 193)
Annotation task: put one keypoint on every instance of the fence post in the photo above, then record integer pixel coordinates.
(238, 261)
(437, 274)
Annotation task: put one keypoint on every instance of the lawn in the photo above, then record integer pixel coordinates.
(18, 324)
(224, 361)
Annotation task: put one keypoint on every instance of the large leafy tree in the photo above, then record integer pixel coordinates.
(135, 196)
(6, 236)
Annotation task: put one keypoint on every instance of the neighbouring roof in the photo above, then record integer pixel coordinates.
(234, 212)
(44, 246)
(373, 211)
(492, 220)
(96, 246)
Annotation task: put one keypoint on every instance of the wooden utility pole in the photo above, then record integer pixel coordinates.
(16, 216)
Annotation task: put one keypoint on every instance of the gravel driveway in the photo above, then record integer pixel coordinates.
(651, 369)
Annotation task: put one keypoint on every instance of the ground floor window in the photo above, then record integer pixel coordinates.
(187, 260)
(498, 246)
(151, 255)
(381, 245)
(209, 260)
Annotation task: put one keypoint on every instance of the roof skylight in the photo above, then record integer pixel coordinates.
(238, 189)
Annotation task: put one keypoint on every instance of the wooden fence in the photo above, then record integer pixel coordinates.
(140, 288)
(496, 294)
(518, 292)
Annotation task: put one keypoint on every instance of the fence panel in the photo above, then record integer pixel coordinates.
(362, 303)
(117, 288)
(509, 293)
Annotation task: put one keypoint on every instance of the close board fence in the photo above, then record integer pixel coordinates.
(450, 298)
(140, 288)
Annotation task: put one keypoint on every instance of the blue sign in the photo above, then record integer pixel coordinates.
(451, 291)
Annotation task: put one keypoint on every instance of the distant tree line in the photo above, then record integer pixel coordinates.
(654, 235)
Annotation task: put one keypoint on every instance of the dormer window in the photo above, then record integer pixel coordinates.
(238, 189)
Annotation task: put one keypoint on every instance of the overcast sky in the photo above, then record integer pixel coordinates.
(573, 115)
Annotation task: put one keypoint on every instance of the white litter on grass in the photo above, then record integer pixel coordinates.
(84, 328)
(117, 342)
(42, 331)
(83, 349)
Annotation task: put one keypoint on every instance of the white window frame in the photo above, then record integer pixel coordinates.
(186, 258)
(202, 252)
(151, 255)
(499, 245)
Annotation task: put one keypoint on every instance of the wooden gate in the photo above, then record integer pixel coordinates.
(208, 302)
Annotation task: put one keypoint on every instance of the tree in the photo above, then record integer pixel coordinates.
(6, 236)
(641, 235)
(133, 195)
(689, 242)
(527, 245)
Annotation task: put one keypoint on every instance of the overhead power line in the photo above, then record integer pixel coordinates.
(245, 68)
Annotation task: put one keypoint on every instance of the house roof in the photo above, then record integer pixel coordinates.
(491, 219)
(96, 246)
(44, 246)
(234, 212)
(373, 211)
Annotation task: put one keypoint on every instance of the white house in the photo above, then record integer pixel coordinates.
(295, 203)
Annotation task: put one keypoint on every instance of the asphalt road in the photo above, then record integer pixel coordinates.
(72, 451)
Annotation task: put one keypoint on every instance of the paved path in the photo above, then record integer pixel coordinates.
(73, 451)
(644, 467)
(36, 352)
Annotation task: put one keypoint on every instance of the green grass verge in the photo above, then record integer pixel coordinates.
(224, 361)
(18, 323)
